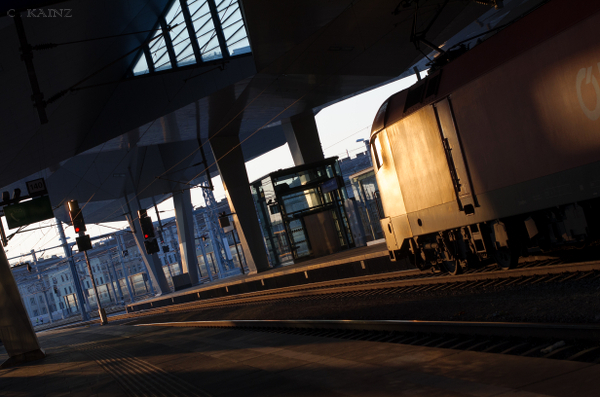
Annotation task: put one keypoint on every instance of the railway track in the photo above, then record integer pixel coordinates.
(544, 270)
(554, 341)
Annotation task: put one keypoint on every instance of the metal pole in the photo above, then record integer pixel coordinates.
(120, 252)
(233, 233)
(201, 243)
(204, 256)
(101, 311)
(112, 285)
(37, 271)
(216, 247)
(74, 275)
(114, 274)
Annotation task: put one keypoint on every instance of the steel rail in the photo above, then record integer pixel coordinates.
(399, 282)
(333, 288)
(579, 332)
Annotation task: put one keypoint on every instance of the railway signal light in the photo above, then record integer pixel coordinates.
(76, 217)
(146, 224)
(151, 246)
(150, 243)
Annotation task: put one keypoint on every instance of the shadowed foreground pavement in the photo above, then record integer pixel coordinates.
(125, 360)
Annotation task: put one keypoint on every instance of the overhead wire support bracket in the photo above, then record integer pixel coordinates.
(27, 57)
(420, 37)
(183, 183)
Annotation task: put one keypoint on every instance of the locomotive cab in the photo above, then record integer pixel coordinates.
(420, 165)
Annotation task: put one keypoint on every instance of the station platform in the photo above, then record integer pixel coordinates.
(354, 262)
(126, 360)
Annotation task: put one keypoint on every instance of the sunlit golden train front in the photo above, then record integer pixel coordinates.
(497, 154)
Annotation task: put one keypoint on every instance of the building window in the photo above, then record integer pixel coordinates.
(32, 301)
(70, 291)
(66, 293)
(62, 278)
(62, 305)
(35, 313)
(41, 299)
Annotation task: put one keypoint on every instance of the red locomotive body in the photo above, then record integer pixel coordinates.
(499, 150)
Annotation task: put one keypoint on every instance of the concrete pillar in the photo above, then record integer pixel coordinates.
(152, 262)
(16, 330)
(237, 187)
(184, 214)
(303, 138)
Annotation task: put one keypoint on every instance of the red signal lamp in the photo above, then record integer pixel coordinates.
(146, 236)
(77, 230)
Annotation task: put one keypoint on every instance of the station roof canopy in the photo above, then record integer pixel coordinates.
(118, 95)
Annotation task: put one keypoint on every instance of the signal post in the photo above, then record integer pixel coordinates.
(84, 244)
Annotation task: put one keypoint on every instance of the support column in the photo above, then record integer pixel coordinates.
(16, 330)
(152, 262)
(237, 187)
(184, 213)
(303, 138)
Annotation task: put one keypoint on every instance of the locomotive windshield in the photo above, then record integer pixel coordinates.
(376, 147)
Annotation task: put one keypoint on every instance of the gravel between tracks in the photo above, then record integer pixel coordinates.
(567, 302)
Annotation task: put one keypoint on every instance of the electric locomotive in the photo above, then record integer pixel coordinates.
(496, 153)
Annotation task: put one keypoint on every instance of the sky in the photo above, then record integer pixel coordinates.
(340, 126)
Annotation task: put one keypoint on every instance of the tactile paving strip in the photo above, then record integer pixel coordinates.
(139, 378)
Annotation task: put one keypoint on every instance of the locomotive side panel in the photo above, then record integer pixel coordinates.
(392, 199)
(420, 161)
(537, 115)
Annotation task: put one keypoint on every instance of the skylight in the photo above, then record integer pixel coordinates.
(194, 31)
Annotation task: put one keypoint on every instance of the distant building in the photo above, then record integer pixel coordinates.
(359, 178)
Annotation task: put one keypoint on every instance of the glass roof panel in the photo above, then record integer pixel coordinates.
(141, 66)
(179, 36)
(234, 30)
(205, 30)
(158, 51)
(232, 24)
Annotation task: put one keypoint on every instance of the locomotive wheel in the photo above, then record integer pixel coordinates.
(452, 267)
(506, 258)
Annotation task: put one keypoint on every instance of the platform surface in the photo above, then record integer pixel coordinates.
(340, 258)
(126, 360)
